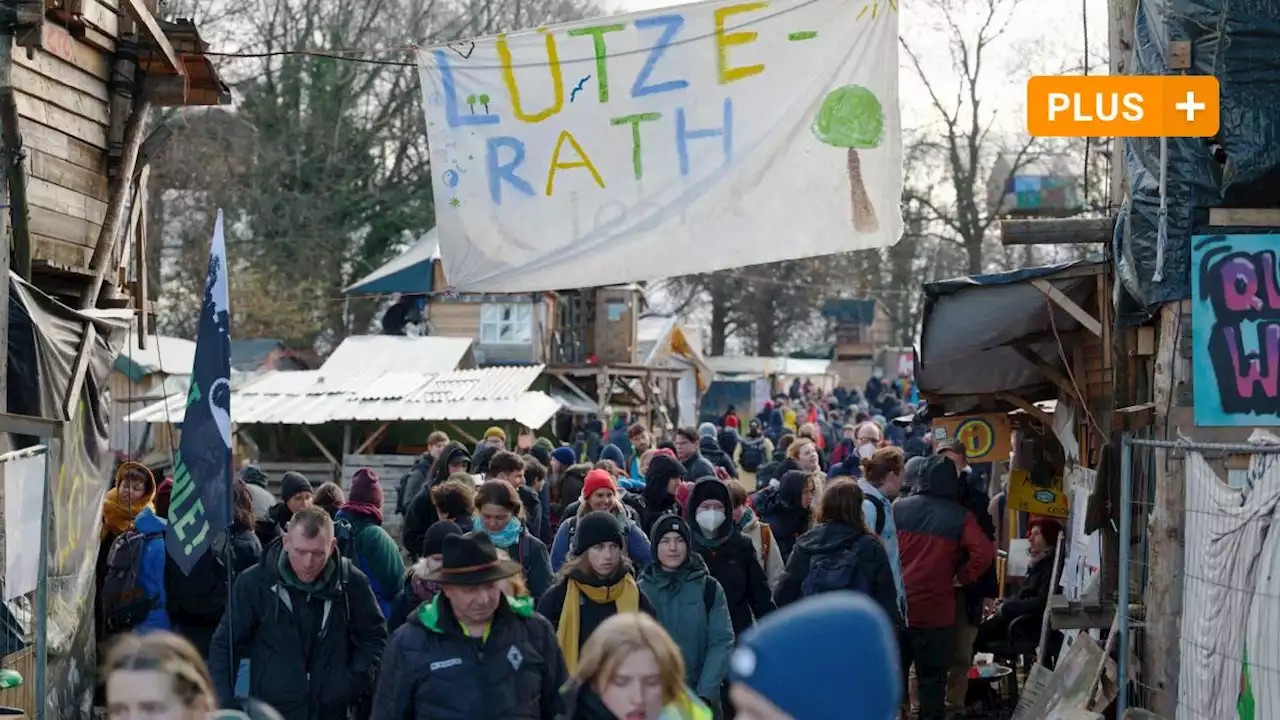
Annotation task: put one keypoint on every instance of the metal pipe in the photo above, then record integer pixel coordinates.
(1198, 446)
(42, 593)
(1126, 557)
(23, 453)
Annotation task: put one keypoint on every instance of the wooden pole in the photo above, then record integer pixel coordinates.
(6, 90)
(115, 208)
(1066, 231)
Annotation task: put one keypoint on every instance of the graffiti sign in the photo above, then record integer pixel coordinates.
(986, 438)
(1235, 329)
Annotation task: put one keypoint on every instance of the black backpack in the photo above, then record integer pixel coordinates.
(881, 518)
(345, 534)
(752, 455)
(838, 571)
(402, 502)
(708, 593)
(125, 603)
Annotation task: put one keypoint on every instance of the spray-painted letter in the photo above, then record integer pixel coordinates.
(499, 171)
(509, 78)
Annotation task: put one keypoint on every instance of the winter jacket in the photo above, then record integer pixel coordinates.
(974, 498)
(731, 559)
(590, 614)
(750, 478)
(414, 481)
(710, 449)
(434, 671)
(535, 563)
(532, 510)
(566, 490)
(377, 556)
(873, 500)
(637, 540)
(1033, 594)
(196, 601)
(270, 529)
(262, 500)
(152, 569)
(770, 557)
(415, 591)
(422, 512)
(705, 637)
(697, 467)
(831, 538)
(311, 652)
(940, 543)
(781, 507)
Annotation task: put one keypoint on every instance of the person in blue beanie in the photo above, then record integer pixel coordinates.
(830, 657)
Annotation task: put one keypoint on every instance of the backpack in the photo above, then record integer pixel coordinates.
(125, 603)
(708, 593)
(881, 518)
(837, 571)
(752, 455)
(766, 543)
(345, 534)
(402, 503)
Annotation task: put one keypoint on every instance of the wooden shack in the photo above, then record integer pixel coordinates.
(81, 71)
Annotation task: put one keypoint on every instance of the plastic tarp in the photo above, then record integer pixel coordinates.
(975, 327)
(44, 337)
(408, 272)
(1239, 42)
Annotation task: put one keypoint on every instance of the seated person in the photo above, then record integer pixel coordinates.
(1032, 598)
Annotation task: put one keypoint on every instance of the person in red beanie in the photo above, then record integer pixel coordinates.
(600, 493)
(1033, 596)
(365, 543)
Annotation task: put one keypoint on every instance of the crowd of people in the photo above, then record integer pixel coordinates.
(633, 580)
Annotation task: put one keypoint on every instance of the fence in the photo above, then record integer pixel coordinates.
(1225, 570)
(24, 615)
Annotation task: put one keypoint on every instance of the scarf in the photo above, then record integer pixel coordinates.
(624, 593)
(504, 538)
(748, 517)
(291, 579)
(117, 516)
(373, 512)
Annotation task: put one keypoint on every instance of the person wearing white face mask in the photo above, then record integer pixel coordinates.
(867, 438)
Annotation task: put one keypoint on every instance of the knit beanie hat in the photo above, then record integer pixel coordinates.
(564, 456)
(842, 643)
(669, 524)
(597, 480)
(365, 488)
(292, 483)
(433, 540)
(541, 454)
(545, 444)
(663, 467)
(253, 475)
(707, 430)
(496, 432)
(595, 528)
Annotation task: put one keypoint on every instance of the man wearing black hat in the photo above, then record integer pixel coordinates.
(472, 653)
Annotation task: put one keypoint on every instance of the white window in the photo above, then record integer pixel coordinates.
(506, 324)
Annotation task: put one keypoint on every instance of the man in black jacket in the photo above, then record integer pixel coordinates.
(307, 622)
(472, 653)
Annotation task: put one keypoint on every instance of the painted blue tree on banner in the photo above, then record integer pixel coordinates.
(201, 504)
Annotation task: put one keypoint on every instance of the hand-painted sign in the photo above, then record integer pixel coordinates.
(986, 438)
(1235, 329)
(654, 144)
(1026, 496)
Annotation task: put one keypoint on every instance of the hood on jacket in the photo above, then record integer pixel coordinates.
(480, 458)
(829, 537)
(710, 449)
(577, 509)
(662, 468)
(710, 489)
(614, 453)
(148, 523)
(791, 488)
(453, 452)
(253, 475)
(938, 476)
(693, 570)
(333, 587)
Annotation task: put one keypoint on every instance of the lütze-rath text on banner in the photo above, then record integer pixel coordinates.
(684, 140)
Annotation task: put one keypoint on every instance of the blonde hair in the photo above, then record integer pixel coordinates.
(793, 450)
(620, 636)
(645, 458)
(167, 653)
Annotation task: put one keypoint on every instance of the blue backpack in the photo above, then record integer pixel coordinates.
(838, 571)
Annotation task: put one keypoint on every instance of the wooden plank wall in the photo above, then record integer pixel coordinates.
(63, 106)
(455, 319)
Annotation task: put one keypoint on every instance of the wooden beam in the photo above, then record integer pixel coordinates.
(30, 425)
(115, 208)
(139, 12)
(372, 439)
(1027, 407)
(1089, 322)
(320, 446)
(463, 433)
(1244, 217)
(1135, 417)
(17, 172)
(141, 288)
(79, 368)
(1062, 381)
(1068, 231)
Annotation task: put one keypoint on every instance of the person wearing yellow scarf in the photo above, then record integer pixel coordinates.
(595, 585)
(135, 488)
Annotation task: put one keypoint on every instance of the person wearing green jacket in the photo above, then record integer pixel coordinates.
(366, 544)
(676, 583)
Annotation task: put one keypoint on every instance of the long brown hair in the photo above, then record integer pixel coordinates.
(500, 493)
(841, 502)
(242, 512)
(885, 461)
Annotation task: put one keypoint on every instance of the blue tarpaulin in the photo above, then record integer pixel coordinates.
(409, 272)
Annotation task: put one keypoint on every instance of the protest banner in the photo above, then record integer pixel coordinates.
(1235, 330)
(677, 141)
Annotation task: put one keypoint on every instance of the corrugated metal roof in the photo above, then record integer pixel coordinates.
(376, 355)
(169, 355)
(315, 398)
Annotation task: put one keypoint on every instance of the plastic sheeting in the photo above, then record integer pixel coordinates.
(44, 336)
(1239, 42)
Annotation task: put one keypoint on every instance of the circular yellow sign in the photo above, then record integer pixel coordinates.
(978, 436)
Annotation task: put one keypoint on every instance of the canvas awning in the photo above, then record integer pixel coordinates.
(1004, 334)
(409, 272)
